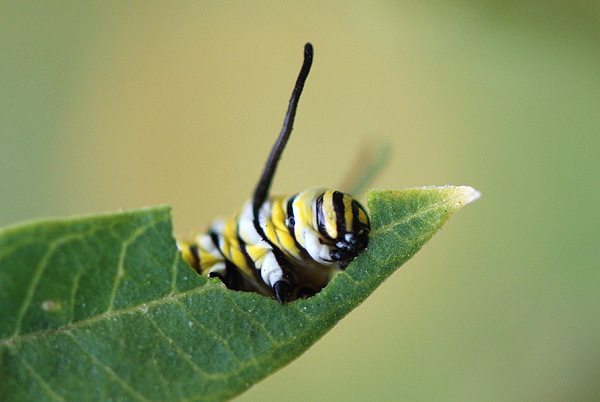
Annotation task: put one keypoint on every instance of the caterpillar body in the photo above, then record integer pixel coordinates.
(285, 247)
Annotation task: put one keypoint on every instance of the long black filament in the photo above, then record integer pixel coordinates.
(262, 188)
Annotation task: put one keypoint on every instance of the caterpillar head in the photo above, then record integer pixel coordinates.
(344, 224)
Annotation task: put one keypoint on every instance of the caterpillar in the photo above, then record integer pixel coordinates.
(283, 247)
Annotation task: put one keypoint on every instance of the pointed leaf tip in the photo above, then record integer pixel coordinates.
(466, 194)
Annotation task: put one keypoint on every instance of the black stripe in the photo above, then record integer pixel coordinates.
(290, 219)
(231, 271)
(279, 254)
(276, 250)
(247, 257)
(249, 260)
(257, 226)
(234, 278)
(214, 236)
(196, 254)
(357, 223)
(340, 213)
(321, 218)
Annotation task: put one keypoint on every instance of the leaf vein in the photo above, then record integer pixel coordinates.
(141, 308)
(251, 319)
(74, 289)
(43, 384)
(407, 218)
(120, 264)
(211, 333)
(35, 279)
(174, 271)
(126, 387)
(185, 356)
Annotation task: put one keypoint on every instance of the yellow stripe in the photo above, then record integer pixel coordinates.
(303, 214)
(207, 260)
(348, 215)
(284, 241)
(329, 214)
(186, 253)
(256, 252)
(231, 246)
(362, 217)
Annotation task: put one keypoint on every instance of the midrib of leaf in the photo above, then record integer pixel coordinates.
(112, 314)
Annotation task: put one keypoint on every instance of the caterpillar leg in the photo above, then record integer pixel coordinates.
(282, 290)
(273, 275)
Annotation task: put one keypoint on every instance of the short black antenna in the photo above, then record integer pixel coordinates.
(262, 188)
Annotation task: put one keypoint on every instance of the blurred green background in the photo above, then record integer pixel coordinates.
(109, 105)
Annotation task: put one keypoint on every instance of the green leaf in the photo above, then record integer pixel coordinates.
(102, 307)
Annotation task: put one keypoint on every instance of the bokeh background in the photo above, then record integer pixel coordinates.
(107, 105)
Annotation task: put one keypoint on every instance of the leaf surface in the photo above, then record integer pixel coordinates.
(102, 307)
